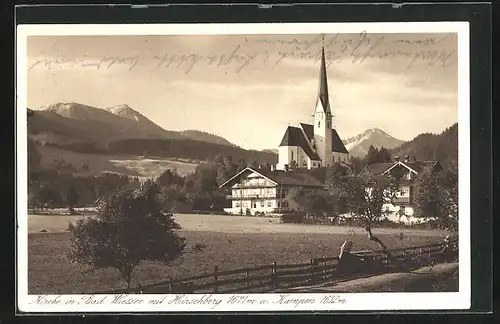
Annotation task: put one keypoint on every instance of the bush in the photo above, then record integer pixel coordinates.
(296, 218)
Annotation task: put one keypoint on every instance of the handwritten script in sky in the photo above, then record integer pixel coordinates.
(428, 50)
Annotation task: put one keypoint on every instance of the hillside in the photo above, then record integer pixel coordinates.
(358, 145)
(205, 137)
(428, 146)
(188, 149)
(86, 129)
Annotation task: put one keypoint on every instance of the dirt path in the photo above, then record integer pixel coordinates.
(423, 279)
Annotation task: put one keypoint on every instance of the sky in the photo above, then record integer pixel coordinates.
(249, 88)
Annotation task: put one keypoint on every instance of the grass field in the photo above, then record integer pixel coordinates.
(231, 242)
(128, 165)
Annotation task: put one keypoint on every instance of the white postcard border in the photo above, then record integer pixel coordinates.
(266, 302)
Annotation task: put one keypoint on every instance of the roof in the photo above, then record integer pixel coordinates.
(376, 168)
(294, 137)
(308, 130)
(422, 165)
(279, 177)
(337, 145)
(323, 84)
(379, 168)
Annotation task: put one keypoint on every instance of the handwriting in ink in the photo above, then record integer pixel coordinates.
(354, 49)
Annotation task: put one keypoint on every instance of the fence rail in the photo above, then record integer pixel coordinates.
(273, 276)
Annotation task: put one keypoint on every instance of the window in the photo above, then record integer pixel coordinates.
(262, 203)
(269, 204)
(292, 155)
(285, 203)
(237, 204)
(319, 123)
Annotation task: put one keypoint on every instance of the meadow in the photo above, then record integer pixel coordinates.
(135, 166)
(230, 242)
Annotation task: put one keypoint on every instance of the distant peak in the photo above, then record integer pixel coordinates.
(125, 111)
(375, 130)
(120, 108)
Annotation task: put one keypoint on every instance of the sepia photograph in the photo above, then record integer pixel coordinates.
(250, 167)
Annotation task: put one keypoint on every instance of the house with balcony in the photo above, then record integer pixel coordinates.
(406, 171)
(265, 192)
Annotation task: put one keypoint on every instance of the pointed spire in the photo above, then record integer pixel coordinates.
(323, 82)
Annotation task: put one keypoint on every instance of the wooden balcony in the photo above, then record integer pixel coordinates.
(401, 201)
(259, 196)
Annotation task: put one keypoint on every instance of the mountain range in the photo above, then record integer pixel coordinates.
(74, 122)
(121, 129)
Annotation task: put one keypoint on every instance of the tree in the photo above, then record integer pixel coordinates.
(449, 186)
(47, 196)
(131, 226)
(335, 176)
(225, 168)
(384, 155)
(427, 198)
(170, 177)
(366, 198)
(309, 201)
(372, 155)
(356, 164)
(34, 157)
(436, 196)
(254, 165)
(72, 200)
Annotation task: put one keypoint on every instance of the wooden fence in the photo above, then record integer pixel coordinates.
(278, 276)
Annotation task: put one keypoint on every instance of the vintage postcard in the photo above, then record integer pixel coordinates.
(243, 167)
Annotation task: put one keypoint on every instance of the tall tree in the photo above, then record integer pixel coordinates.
(384, 155)
(436, 196)
(356, 164)
(366, 198)
(372, 155)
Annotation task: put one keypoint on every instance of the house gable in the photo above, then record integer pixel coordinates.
(245, 173)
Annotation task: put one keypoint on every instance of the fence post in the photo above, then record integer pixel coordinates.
(312, 273)
(170, 284)
(216, 279)
(273, 276)
(247, 283)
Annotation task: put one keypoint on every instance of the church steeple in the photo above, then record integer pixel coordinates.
(323, 82)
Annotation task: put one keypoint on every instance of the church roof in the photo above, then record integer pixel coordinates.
(337, 145)
(294, 137)
(309, 130)
(323, 83)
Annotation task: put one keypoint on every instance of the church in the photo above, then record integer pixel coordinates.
(313, 145)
